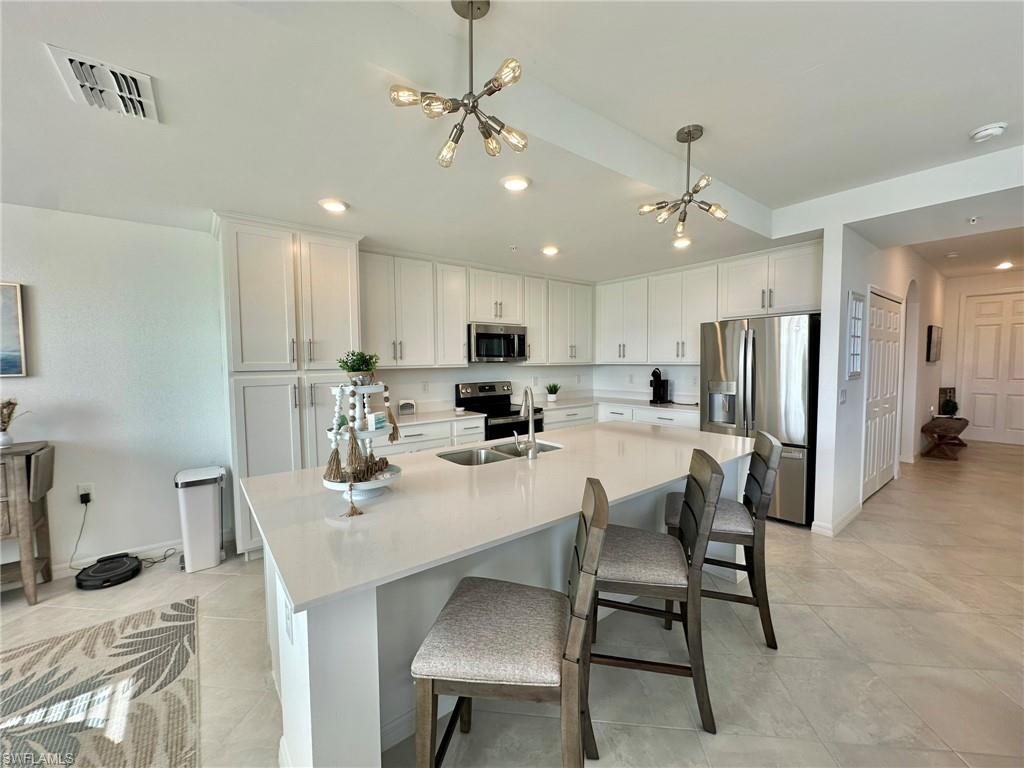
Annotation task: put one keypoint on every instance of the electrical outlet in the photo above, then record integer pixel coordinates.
(536, 380)
(89, 488)
(426, 386)
(631, 378)
(579, 379)
(842, 396)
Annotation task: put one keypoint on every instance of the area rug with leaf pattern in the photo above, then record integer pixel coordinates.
(122, 693)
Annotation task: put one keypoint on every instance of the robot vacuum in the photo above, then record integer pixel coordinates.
(109, 571)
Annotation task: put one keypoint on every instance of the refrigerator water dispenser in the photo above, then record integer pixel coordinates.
(722, 402)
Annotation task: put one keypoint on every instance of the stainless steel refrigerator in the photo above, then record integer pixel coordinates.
(762, 374)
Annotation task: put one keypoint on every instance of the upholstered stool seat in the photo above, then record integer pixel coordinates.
(494, 631)
(637, 556)
(731, 517)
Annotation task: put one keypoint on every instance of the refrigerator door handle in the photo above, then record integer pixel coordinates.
(748, 381)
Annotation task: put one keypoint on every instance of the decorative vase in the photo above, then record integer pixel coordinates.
(552, 398)
(361, 378)
(6, 439)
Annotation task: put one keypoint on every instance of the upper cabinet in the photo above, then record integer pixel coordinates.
(779, 281)
(398, 314)
(495, 297)
(622, 322)
(678, 303)
(264, 330)
(570, 322)
(535, 316)
(451, 311)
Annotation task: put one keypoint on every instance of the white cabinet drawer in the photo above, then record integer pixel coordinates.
(419, 432)
(668, 418)
(561, 415)
(608, 412)
(470, 428)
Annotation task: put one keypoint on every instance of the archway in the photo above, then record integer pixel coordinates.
(909, 441)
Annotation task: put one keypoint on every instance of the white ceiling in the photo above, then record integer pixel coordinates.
(976, 254)
(268, 107)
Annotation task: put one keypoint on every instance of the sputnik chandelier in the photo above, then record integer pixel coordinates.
(666, 208)
(435, 106)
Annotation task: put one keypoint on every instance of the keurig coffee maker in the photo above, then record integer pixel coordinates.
(659, 387)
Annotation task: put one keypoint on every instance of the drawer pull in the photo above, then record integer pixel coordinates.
(470, 429)
(415, 434)
(572, 414)
(617, 413)
(665, 418)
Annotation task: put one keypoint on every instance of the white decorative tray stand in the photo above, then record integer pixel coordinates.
(352, 468)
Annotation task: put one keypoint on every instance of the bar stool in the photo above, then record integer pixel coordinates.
(498, 639)
(652, 564)
(742, 524)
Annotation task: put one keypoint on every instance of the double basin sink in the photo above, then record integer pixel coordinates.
(474, 457)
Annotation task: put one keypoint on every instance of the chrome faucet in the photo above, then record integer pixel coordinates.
(531, 439)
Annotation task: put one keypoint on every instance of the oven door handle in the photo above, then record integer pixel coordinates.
(506, 419)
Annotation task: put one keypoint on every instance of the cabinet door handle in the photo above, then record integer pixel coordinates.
(295, 395)
(501, 309)
(762, 298)
(529, 352)
(771, 297)
(293, 351)
(394, 349)
(495, 309)
(309, 350)
(623, 350)
(464, 351)
(683, 343)
(677, 349)
(400, 354)
(312, 395)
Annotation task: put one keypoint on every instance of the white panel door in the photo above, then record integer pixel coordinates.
(583, 323)
(794, 282)
(330, 300)
(743, 287)
(634, 321)
(992, 366)
(451, 310)
(267, 437)
(608, 322)
(560, 322)
(377, 292)
(883, 363)
(414, 312)
(700, 305)
(509, 293)
(259, 278)
(318, 414)
(665, 317)
(483, 296)
(535, 316)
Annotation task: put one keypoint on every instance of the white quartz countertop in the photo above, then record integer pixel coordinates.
(685, 403)
(439, 511)
(434, 417)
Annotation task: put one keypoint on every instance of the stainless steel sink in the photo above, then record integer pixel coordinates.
(474, 457)
(509, 449)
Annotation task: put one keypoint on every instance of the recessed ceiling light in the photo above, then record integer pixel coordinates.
(549, 250)
(333, 205)
(952, 255)
(515, 183)
(1005, 265)
(986, 132)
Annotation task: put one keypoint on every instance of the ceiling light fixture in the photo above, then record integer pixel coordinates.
(667, 208)
(986, 132)
(333, 205)
(435, 106)
(549, 250)
(515, 183)
(952, 255)
(1005, 265)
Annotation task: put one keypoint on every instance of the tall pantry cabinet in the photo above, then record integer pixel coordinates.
(291, 309)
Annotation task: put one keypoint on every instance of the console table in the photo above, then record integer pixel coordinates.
(26, 475)
(945, 436)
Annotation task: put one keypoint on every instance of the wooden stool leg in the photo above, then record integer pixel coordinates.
(668, 614)
(23, 512)
(759, 586)
(572, 739)
(696, 648)
(466, 715)
(586, 724)
(593, 620)
(426, 723)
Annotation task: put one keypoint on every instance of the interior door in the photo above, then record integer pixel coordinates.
(330, 300)
(634, 321)
(665, 318)
(559, 321)
(700, 305)
(882, 377)
(414, 311)
(992, 366)
(377, 289)
(609, 323)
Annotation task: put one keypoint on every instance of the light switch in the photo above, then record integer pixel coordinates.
(842, 397)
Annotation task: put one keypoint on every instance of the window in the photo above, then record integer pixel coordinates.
(855, 336)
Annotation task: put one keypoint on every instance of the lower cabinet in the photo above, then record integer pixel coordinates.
(609, 412)
(561, 418)
(666, 417)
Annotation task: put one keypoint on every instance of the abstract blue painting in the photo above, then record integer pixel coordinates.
(12, 331)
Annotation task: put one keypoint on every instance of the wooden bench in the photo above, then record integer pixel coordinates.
(945, 436)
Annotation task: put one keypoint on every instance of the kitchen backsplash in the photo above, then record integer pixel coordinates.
(634, 380)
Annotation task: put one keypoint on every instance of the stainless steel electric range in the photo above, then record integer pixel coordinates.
(494, 399)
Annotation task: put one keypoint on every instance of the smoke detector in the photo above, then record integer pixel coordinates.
(986, 132)
(109, 87)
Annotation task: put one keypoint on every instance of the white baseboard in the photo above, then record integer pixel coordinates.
(146, 550)
(836, 527)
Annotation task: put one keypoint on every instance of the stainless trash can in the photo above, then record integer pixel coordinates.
(199, 502)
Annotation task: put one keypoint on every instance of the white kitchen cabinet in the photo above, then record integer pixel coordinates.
(259, 283)
(621, 321)
(495, 297)
(561, 418)
(783, 280)
(667, 417)
(679, 303)
(267, 438)
(329, 270)
(570, 322)
(318, 414)
(467, 431)
(612, 412)
(397, 313)
(450, 307)
(535, 314)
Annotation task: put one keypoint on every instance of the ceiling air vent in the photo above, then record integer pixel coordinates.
(106, 86)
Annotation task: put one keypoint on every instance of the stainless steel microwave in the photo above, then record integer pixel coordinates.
(496, 343)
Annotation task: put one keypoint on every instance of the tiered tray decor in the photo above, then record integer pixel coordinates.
(357, 472)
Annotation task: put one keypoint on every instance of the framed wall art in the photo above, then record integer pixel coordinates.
(12, 331)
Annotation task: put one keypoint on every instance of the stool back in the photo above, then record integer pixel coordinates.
(586, 553)
(764, 469)
(700, 499)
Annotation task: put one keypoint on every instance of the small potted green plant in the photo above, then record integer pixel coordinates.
(553, 392)
(360, 366)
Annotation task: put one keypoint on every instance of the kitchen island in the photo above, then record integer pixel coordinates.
(348, 602)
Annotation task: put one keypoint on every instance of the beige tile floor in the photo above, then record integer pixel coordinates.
(900, 644)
